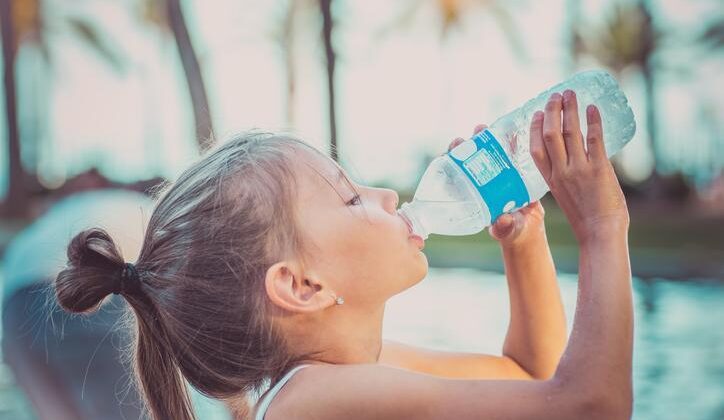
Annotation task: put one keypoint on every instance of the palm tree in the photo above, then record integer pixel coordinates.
(285, 35)
(285, 39)
(16, 200)
(713, 34)
(629, 39)
(451, 13)
(573, 13)
(22, 25)
(168, 14)
(325, 7)
(712, 38)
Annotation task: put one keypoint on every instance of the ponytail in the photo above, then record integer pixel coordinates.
(163, 386)
(95, 270)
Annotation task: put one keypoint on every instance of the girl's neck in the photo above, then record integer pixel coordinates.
(345, 336)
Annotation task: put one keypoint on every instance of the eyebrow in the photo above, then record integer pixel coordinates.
(341, 176)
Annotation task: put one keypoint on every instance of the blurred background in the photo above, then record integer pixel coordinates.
(124, 94)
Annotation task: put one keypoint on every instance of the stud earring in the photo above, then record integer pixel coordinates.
(338, 300)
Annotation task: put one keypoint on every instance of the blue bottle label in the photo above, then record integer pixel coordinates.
(487, 166)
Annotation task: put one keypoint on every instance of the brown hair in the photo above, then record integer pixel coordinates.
(201, 310)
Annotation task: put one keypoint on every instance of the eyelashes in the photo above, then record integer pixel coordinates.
(354, 201)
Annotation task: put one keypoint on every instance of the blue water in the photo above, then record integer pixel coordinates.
(679, 339)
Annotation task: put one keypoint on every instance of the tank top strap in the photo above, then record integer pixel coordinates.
(264, 403)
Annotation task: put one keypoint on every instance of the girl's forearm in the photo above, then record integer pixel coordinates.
(599, 352)
(537, 331)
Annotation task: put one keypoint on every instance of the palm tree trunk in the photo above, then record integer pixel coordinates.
(655, 184)
(573, 10)
(287, 44)
(17, 199)
(650, 100)
(192, 70)
(327, 26)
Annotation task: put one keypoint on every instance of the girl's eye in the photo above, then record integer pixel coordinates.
(354, 201)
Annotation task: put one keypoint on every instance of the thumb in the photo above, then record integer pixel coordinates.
(503, 226)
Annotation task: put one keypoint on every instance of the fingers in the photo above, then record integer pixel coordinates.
(562, 139)
(457, 141)
(479, 128)
(454, 143)
(537, 149)
(572, 136)
(503, 227)
(594, 135)
(552, 138)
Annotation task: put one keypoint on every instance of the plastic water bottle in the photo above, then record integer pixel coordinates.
(465, 190)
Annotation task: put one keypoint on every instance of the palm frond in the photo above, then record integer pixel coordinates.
(95, 41)
(713, 35)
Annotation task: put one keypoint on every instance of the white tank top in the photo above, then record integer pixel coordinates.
(263, 404)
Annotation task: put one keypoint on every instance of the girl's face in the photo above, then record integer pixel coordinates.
(357, 243)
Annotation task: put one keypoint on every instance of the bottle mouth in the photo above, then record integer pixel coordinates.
(412, 223)
(407, 222)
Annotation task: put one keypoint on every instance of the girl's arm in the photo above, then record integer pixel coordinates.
(536, 335)
(537, 331)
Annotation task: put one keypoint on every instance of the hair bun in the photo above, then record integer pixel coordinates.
(93, 272)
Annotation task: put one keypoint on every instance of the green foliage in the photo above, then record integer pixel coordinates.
(713, 35)
(88, 33)
(626, 39)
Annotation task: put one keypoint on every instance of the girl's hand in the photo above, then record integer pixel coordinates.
(512, 229)
(582, 181)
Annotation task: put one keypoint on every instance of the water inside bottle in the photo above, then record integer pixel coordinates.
(450, 217)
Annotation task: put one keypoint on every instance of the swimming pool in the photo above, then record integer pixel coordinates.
(679, 333)
(678, 353)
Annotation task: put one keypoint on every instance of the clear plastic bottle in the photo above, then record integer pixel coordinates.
(468, 188)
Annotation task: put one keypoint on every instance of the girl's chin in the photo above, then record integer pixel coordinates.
(416, 271)
(422, 258)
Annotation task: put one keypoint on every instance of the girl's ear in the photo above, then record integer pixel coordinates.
(290, 289)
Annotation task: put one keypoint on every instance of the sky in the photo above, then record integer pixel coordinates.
(403, 95)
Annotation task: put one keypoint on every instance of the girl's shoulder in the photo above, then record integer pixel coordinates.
(322, 391)
(355, 391)
(375, 391)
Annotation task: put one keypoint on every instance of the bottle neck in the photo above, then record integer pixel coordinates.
(411, 213)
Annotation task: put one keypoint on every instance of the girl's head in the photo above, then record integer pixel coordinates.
(250, 246)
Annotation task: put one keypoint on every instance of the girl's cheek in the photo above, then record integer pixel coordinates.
(381, 219)
(388, 223)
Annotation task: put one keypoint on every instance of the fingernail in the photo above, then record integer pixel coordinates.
(538, 116)
(590, 111)
(555, 96)
(569, 94)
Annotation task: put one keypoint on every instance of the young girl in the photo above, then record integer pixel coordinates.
(264, 263)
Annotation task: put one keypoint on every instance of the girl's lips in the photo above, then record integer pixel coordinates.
(417, 238)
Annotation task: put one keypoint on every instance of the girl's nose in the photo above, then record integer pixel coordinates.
(390, 200)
